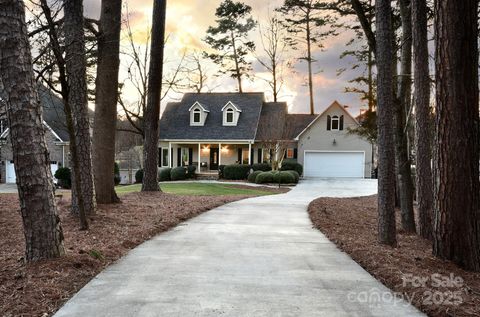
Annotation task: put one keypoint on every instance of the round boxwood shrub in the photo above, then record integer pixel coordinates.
(178, 173)
(253, 175)
(265, 167)
(283, 177)
(295, 175)
(191, 171)
(291, 165)
(164, 174)
(64, 177)
(116, 174)
(236, 171)
(264, 177)
(139, 176)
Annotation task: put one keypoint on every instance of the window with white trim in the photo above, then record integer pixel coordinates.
(290, 153)
(229, 115)
(165, 157)
(335, 123)
(197, 116)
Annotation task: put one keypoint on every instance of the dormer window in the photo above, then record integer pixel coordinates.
(231, 114)
(198, 114)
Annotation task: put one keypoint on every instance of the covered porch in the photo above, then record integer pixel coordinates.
(208, 156)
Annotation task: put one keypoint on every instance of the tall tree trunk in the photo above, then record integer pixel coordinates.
(309, 62)
(385, 116)
(106, 96)
(456, 172)
(403, 102)
(77, 98)
(41, 223)
(237, 67)
(152, 113)
(422, 119)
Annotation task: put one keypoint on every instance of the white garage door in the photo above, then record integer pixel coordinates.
(12, 178)
(334, 164)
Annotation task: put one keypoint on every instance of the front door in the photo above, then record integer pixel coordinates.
(214, 158)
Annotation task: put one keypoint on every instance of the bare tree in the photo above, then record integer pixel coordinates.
(106, 101)
(385, 110)
(152, 111)
(274, 43)
(195, 73)
(41, 223)
(456, 170)
(75, 62)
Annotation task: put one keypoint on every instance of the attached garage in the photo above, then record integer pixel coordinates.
(10, 176)
(334, 164)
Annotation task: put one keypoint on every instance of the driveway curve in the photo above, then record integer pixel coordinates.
(255, 257)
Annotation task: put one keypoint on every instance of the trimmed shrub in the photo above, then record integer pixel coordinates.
(178, 173)
(220, 171)
(264, 167)
(253, 175)
(236, 171)
(283, 177)
(292, 165)
(191, 171)
(295, 175)
(116, 174)
(264, 177)
(139, 176)
(64, 177)
(164, 174)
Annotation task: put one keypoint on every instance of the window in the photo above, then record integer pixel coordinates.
(290, 153)
(229, 115)
(335, 123)
(196, 116)
(164, 157)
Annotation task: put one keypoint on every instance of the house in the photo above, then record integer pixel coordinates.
(212, 129)
(56, 136)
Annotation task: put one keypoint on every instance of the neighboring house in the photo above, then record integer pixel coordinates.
(56, 136)
(212, 129)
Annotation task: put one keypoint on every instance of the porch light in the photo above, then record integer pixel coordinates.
(205, 148)
(334, 142)
(224, 148)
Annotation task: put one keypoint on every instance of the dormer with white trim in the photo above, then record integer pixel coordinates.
(231, 114)
(198, 114)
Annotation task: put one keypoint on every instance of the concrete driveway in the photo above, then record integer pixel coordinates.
(8, 188)
(256, 257)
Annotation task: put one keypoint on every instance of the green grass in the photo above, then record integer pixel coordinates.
(197, 189)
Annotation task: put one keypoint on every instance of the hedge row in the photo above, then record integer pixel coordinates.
(243, 171)
(277, 177)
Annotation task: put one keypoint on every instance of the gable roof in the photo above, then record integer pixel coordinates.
(53, 112)
(53, 115)
(175, 121)
(297, 122)
(197, 104)
(272, 121)
(334, 104)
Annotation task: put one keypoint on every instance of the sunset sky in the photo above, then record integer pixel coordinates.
(187, 22)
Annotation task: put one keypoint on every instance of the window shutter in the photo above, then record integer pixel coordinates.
(295, 153)
(239, 151)
(179, 157)
(171, 158)
(271, 154)
(190, 156)
(160, 157)
(252, 156)
(341, 122)
(329, 123)
(259, 158)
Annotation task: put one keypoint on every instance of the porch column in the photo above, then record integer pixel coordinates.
(219, 154)
(249, 153)
(199, 158)
(170, 154)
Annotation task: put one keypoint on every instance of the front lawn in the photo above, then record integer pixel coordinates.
(202, 189)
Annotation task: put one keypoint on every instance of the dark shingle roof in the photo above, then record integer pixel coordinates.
(272, 121)
(53, 112)
(296, 123)
(175, 121)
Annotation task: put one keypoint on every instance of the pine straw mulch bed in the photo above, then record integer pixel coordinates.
(41, 288)
(351, 223)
